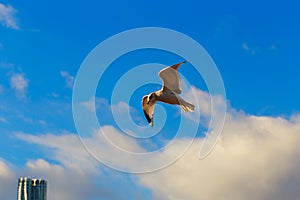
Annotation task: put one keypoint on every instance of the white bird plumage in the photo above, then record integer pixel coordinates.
(168, 93)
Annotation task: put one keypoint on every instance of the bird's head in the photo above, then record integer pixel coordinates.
(151, 97)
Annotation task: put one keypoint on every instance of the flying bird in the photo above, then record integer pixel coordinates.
(168, 93)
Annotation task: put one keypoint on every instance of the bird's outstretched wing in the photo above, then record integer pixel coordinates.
(170, 78)
(148, 109)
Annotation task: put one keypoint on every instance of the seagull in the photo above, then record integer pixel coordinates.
(168, 93)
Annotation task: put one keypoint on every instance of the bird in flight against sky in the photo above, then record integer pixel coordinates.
(168, 93)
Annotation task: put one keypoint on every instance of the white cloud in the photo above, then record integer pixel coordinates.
(7, 16)
(242, 165)
(65, 183)
(295, 118)
(68, 78)
(19, 83)
(71, 153)
(203, 105)
(68, 150)
(256, 158)
(91, 104)
(75, 166)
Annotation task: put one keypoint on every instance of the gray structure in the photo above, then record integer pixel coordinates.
(32, 189)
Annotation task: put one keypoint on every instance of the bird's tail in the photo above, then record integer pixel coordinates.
(186, 106)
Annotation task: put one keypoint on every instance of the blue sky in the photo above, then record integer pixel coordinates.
(253, 44)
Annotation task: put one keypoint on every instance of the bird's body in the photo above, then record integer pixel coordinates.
(169, 93)
(167, 97)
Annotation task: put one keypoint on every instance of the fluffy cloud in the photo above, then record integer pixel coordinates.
(70, 152)
(7, 16)
(67, 149)
(68, 78)
(66, 183)
(256, 158)
(19, 83)
(77, 174)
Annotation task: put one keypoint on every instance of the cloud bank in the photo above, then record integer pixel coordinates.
(257, 157)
